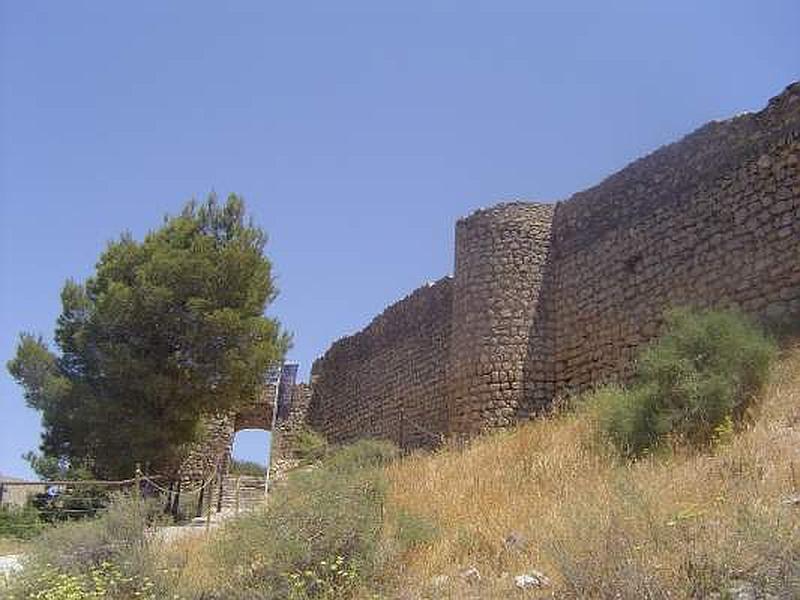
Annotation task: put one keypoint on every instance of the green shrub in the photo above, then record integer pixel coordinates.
(20, 522)
(308, 446)
(361, 456)
(318, 537)
(117, 533)
(690, 383)
(627, 418)
(247, 467)
(92, 558)
(100, 582)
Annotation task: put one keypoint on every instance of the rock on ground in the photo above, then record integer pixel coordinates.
(9, 564)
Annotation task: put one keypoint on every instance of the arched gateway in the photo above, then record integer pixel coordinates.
(280, 409)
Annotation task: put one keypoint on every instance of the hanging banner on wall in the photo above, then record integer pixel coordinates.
(288, 378)
(273, 375)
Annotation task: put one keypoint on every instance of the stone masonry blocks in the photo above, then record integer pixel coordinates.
(547, 300)
(550, 299)
(499, 266)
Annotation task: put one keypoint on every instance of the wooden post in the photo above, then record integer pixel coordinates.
(220, 487)
(208, 510)
(402, 428)
(176, 500)
(168, 506)
(200, 500)
(138, 477)
(238, 480)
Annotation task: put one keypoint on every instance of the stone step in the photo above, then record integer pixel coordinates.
(250, 492)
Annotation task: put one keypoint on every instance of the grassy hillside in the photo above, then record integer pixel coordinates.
(550, 499)
(549, 496)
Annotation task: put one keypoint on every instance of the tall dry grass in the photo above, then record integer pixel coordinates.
(680, 524)
(185, 567)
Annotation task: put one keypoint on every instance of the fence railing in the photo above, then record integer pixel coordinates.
(58, 500)
(66, 499)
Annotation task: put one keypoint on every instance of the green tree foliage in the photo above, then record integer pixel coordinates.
(697, 378)
(58, 468)
(165, 331)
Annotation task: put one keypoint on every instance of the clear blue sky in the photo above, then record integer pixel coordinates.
(357, 134)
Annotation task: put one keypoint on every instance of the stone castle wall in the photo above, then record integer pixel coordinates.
(712, 220)
(548, 299)
(211, 457)
(389, 380)
(212, 451)
(287, 429)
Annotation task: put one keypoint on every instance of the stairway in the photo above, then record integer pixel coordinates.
(242, 492)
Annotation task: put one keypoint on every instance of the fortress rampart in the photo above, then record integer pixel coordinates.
(550, 299)
(501, 256)
(389, 380)
(547, 300)
(712, 220)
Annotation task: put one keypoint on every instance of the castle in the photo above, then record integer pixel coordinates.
(548, 299)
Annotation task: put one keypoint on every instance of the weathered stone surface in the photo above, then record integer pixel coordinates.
(471, 575)
(286, 431)
(500, 266)
(531, 580)
(389, 380)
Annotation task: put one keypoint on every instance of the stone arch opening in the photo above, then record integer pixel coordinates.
(245, 482)
(250, 447)
(248, 434)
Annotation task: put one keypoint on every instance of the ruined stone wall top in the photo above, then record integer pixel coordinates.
(675, 172)
(711, 220)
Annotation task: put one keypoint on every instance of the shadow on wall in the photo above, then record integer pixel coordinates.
(538, 377)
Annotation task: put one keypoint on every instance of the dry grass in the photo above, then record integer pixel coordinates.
(11, 546)
(184, 564)
(679, 525)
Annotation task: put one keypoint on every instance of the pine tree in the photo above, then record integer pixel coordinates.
(167, 330)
